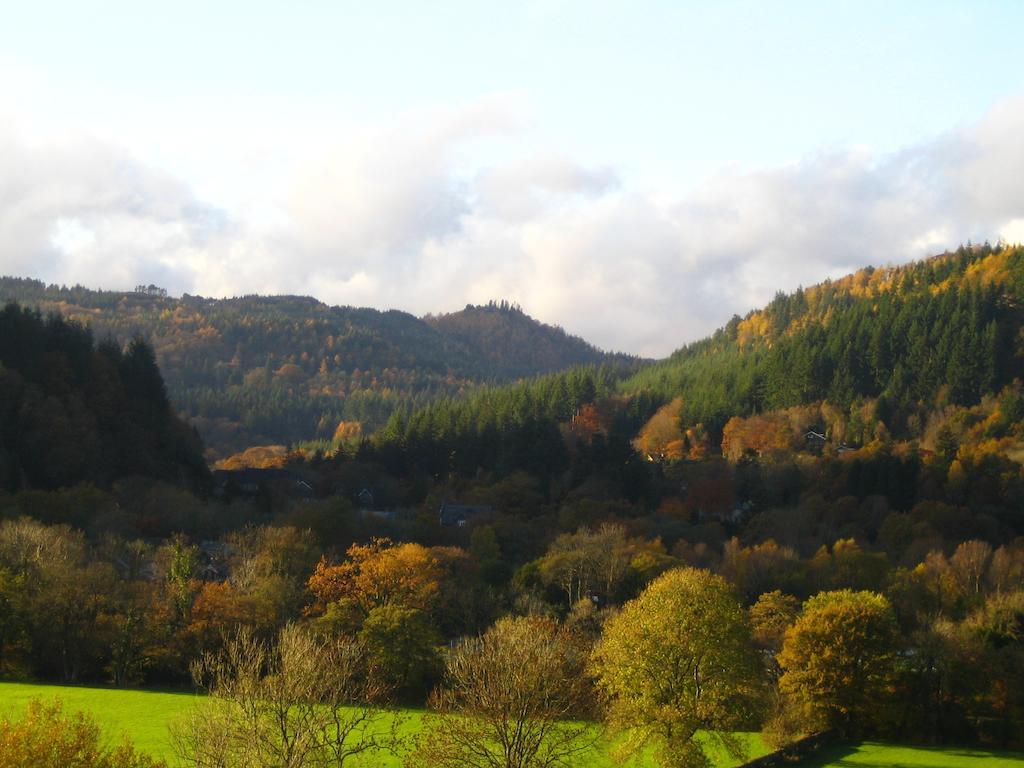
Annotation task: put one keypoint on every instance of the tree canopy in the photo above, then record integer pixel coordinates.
(679, 659)
(72, 411)
(838, 659)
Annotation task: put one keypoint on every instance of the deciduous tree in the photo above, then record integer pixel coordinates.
(46, 737)
(297, 702)
(510, 700)
(676, 660)
(838, 658)
(379, 573)
(402, 646)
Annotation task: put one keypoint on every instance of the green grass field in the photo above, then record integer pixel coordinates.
(870, 754)
(143, 716)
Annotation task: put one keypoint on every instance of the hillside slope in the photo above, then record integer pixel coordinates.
(944, 331)
(511, 344)
(927, 355)
(261, 370)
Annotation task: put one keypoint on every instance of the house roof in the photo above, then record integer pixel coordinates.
(453, 514)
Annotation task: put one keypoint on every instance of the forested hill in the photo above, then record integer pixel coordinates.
(511, 344)
(906, 341)
(264, 370)
(73, 412)
(923, 352)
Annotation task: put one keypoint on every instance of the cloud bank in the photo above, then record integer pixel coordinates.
(412, 214)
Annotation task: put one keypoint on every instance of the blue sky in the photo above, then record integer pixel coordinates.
(706, 153)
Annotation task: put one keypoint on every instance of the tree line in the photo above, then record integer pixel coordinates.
(660, 643)
(284, 369)
(72, 410)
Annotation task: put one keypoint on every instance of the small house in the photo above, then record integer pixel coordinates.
(460, 514)
(251, 481)
(814, 440)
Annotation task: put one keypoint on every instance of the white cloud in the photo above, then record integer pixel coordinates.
(1013, 231)
(438, 208)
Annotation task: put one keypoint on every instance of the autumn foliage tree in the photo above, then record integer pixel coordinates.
(838, 659)
(676, 660)
(762, 434)
(378, 573)
(662, 436)
(384, 593)
(771, 616)
(47, 737)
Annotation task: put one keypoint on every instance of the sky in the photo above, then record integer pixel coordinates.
(635, 172)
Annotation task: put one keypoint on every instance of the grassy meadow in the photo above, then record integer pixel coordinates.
(871, 754)
(143, 716)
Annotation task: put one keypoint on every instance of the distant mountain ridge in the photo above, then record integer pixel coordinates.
(280, 369)
(512, 343)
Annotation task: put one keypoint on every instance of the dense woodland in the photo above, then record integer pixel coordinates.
(836, 476)
(278, 370)
(73, 411)
(940, 331)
